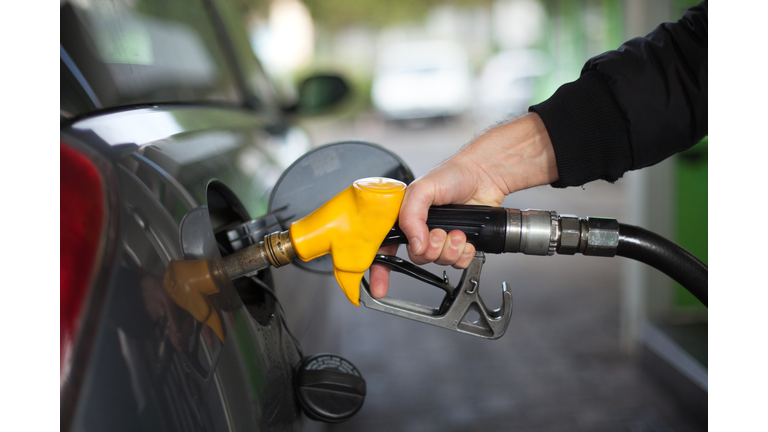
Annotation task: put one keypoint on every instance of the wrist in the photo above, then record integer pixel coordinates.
(542, 165)
(516, 155)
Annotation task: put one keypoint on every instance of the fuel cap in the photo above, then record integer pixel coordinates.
(330, 388)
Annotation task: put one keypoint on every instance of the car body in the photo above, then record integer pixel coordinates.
(171, 136)
(421, 80)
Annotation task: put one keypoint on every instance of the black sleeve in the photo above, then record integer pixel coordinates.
(633, 107)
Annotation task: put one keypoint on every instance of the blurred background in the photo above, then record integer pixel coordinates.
(594, 344)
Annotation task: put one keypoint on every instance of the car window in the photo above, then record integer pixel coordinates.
(235, 14)
(124, 52)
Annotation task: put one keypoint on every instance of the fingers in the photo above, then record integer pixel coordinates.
(450, 182)
(413, 216)
(466, 257)
(453, 248)
(380, 274)
(445, 249)
(431, 252)
(379, 280)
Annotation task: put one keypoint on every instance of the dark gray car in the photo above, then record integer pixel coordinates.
(171, 138)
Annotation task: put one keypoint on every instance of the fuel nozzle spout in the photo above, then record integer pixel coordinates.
(350, 227)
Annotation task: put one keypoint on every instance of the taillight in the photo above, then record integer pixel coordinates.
(82, 219)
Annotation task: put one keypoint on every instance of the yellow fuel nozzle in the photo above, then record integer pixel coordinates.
(351, 227)
(189, 283)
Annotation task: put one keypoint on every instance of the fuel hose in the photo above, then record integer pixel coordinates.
(543, 232)
(649, 248)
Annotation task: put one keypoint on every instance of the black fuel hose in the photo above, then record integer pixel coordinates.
(642, 245)
(487, 228)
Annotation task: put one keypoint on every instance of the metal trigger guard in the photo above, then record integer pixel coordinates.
(458, 303)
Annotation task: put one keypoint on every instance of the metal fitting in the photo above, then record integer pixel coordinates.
(280, 250)
(570, 235)
(602, 237)
(584, 233)
(539, 232)
(554, 233)
(276, 250)
(514, 230)
(589, 236)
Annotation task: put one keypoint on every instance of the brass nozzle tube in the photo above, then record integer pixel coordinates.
(276, 250)
(280, 250)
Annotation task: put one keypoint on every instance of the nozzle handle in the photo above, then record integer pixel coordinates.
(484, 226)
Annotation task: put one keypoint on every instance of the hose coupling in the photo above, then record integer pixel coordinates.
(280, 250)
(589, 236)
(532, 232)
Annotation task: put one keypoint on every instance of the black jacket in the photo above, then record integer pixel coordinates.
(632, 107)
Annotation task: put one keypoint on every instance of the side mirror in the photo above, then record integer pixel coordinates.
(318, 93)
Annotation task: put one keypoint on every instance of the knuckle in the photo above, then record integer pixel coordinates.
(447, 260)
(456, 241)
(436, 240)
(432, 255)
(451, 254)
(460, 265)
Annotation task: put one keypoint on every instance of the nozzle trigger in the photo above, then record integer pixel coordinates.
(458, 304)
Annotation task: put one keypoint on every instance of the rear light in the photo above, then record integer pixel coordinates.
(82, 222)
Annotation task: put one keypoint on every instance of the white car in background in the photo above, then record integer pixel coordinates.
(506, 85)
(421, 80)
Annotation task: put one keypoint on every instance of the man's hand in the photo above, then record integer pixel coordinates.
(510, 157)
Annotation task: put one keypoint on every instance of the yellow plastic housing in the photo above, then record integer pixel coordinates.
(351, 227)
(189, 283)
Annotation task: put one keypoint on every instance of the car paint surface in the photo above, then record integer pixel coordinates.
(151, 362)
(175, 173)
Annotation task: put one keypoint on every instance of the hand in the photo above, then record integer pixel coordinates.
(510, 157)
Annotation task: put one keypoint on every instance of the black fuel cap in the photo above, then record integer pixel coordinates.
(330, 388)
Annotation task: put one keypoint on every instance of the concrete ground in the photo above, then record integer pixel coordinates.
(559, 366)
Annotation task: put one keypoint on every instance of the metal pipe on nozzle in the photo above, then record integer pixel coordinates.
(531, 232)
(276, 250)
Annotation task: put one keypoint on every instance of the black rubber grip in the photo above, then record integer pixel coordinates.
(484, 226)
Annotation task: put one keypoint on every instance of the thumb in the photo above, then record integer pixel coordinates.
(419, 196)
